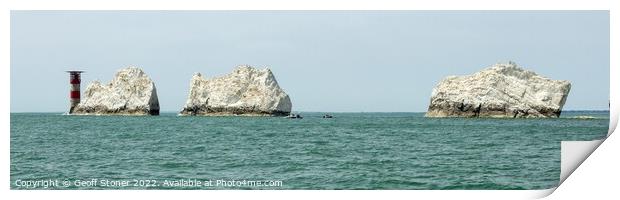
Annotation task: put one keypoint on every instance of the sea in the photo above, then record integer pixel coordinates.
(52, 151)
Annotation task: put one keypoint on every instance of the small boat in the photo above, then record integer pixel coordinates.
(328, 116)
(293, 116)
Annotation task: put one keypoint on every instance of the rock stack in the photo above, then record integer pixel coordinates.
(502, 90)
(246, 91)
(131, 92)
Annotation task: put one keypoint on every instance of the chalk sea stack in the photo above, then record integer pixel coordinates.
(131, 92)
(246, 91)
(502, 90)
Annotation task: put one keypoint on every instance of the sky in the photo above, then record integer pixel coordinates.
(337, 61)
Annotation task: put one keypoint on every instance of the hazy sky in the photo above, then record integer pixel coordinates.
(347, 61)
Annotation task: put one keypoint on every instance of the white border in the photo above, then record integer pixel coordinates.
(597, 158)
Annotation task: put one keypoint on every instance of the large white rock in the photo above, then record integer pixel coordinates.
(131, 92)
(502, 90)
(245, 91)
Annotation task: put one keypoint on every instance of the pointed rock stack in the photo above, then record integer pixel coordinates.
(245, 91)
(131, 92)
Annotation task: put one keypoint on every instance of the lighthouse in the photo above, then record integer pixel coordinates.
(74, 93)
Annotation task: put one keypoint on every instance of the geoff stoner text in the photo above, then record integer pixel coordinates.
(55, 183)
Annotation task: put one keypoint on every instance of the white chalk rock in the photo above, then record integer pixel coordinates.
(245, 91)
(503, 90)
(131, 92)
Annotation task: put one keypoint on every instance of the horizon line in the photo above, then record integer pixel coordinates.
(313, 111)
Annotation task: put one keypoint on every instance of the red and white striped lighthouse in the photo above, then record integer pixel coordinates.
(74, 94)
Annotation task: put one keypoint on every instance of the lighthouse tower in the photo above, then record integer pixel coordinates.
(74, 94)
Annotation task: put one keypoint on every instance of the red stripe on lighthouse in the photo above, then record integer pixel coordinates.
(75, 94)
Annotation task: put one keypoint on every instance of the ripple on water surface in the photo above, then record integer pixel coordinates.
(350, 151)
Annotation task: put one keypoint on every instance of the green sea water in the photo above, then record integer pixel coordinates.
(350, 151)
